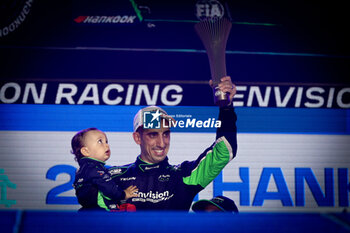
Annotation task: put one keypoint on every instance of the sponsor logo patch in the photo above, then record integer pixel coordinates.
(127, 178)
(115, 171)
(104, 19)
(164, 178)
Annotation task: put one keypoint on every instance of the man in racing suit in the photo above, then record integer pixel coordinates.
(167, 187)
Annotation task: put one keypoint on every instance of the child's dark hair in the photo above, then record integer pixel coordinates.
(78, 142)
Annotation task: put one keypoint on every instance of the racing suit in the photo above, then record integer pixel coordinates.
(172, 187)
(93, 180)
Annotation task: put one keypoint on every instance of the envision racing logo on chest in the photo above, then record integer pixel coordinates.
(153, 197)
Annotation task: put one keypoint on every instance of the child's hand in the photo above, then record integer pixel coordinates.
(131, 191)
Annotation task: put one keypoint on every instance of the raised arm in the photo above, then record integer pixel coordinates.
(211, 162)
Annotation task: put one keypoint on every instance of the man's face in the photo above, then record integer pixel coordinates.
(154, 144)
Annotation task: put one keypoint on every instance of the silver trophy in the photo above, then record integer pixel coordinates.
(214, 33)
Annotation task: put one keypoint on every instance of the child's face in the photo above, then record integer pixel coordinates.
(96, 145)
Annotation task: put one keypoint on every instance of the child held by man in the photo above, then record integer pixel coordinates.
(91, 150)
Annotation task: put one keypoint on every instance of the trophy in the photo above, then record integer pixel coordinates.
(214, 33)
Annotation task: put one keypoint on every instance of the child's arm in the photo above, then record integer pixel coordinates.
(131, 191)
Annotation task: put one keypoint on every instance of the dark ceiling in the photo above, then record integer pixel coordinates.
(270, 41)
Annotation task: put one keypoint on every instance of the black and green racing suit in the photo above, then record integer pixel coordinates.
(172, 187)
(93, 180)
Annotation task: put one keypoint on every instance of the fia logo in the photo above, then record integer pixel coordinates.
(151, 119)
(209, 9)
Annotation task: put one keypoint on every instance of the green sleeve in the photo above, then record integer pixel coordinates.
(209, 164)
